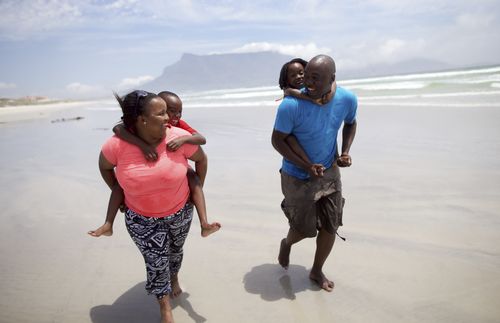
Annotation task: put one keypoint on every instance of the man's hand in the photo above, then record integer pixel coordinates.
(316, 170)
(344, 160)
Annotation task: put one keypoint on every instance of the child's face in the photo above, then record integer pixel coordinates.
(295, 77)
(174, 110)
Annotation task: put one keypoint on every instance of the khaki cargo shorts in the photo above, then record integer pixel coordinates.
(314, 203)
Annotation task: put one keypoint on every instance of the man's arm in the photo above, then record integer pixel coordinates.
(279, 141)
(348, 133)
(297, 148)
(200, 164)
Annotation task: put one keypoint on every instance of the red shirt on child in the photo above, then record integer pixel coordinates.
(183, 125)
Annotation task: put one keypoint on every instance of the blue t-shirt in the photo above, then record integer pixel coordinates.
(315, 127)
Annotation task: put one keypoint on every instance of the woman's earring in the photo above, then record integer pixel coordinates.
(145, 122)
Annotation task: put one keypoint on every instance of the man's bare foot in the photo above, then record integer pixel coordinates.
(104, 230)
(209, 228)
(176, 288)
(284, 255)
(322, 281)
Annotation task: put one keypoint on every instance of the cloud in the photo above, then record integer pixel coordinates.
(4, 86)
(299, 50)
(128, 83)
(79, 90)
(474, 20)
(21, 19)
(121, 4)
(391, 46)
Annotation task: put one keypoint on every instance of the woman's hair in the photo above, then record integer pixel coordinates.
(283, 80)
(133, 105)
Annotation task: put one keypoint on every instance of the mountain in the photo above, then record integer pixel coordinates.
(220, 71)
(226, 71)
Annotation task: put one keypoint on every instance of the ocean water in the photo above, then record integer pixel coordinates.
(245, 114)
(478, 87)
(461, 88)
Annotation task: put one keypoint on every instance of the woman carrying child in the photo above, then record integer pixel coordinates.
(159, 213)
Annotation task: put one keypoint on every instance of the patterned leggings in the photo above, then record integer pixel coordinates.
(160, 242)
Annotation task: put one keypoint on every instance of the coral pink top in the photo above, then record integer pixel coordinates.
(153, 189)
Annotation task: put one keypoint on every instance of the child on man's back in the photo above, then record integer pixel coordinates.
(291, 81)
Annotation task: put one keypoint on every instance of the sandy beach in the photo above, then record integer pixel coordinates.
(421, 221)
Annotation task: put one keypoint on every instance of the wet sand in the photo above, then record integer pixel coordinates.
(421, 222)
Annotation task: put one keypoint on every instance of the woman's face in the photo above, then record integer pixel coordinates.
(155, 117)
(295, 76)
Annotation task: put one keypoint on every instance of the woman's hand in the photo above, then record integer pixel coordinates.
(104, 230)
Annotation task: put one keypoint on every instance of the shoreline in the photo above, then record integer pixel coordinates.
(17, 113)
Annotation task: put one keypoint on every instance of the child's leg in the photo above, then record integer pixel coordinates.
(198, 199)
(115, 201)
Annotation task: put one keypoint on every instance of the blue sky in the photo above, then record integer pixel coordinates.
(69, 48)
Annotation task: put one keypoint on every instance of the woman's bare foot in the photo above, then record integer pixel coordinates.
(209, 228)
(320, 279)
(104, 230)
(165, 310)
(176, 288)
(284, 255)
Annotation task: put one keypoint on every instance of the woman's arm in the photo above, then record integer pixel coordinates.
(200, 164)
(148, 151)
(107, 171)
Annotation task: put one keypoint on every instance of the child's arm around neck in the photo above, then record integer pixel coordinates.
(148, 151)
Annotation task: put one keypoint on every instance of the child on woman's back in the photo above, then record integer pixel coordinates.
(195, 181)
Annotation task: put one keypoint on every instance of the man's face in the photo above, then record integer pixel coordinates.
(318, 80)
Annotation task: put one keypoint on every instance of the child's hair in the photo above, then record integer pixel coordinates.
(163, 94)
(283, 80)
(133, 105)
